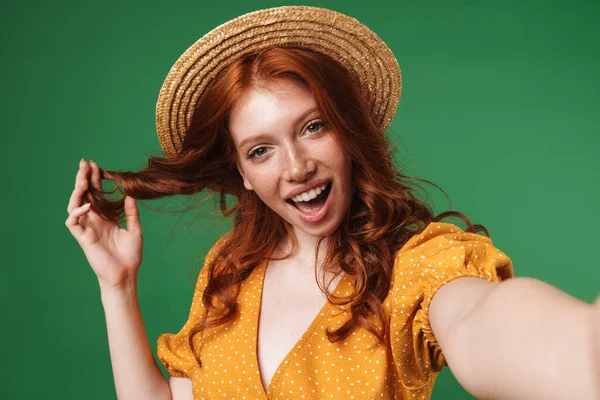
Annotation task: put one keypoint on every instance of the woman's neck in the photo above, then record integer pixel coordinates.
(306, 248)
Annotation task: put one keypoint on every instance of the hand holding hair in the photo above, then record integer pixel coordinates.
(114, 253)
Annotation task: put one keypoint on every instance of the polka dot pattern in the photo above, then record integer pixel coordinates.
(403, 367)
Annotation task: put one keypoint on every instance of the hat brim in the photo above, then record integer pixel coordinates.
(345, 39)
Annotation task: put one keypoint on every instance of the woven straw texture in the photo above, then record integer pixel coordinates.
(345, 39)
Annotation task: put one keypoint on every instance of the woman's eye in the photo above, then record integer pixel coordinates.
(259, 152)
(313, 124)
(312, 128)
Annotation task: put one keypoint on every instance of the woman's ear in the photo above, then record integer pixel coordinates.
(240, 169)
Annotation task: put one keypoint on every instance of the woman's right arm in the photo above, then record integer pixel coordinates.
(136, 374)
(115, 255)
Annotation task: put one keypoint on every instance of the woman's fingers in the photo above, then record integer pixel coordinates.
(132, 216)
(81, 182)
(95, 178)
(72, 221)
(76, 199)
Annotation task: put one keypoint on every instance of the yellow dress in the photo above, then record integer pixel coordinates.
(404, 368)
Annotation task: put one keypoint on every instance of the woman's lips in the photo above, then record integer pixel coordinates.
(320, 213)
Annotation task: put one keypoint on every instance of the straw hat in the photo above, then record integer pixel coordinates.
(345, 39)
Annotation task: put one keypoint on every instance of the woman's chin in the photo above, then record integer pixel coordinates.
(323, 230)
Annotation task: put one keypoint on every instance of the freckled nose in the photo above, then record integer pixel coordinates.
(299, 170)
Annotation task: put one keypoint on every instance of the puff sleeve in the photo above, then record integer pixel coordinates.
(441, 253)
(173, 350)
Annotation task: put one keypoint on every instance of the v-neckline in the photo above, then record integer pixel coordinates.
(322, 313)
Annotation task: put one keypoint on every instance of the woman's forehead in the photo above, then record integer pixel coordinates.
(282, 90)
(261, 111)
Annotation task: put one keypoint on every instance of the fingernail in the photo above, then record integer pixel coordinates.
(81, 163)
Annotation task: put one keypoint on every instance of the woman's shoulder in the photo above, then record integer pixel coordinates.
(218, 244)
(437, 255)
(439, 237)
(442, 251)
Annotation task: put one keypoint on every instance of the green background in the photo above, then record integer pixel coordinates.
(500, 108)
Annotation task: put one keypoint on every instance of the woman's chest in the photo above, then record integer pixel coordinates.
(291, 302)
(276, 344)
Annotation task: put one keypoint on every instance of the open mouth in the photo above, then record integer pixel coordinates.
(312, 205)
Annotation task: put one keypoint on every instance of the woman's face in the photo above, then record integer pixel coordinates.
(289, 157)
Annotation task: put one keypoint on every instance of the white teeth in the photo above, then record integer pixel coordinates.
(309, 195)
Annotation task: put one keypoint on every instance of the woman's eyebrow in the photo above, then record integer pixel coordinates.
(261, 136)
(264, 136)
(305, 114)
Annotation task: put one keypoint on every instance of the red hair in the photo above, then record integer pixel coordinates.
(384, 213)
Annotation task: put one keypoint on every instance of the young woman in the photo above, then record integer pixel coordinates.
(334, 281)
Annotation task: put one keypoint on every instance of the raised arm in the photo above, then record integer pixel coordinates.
(136, 374)
(115, 255)
(519, 339)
